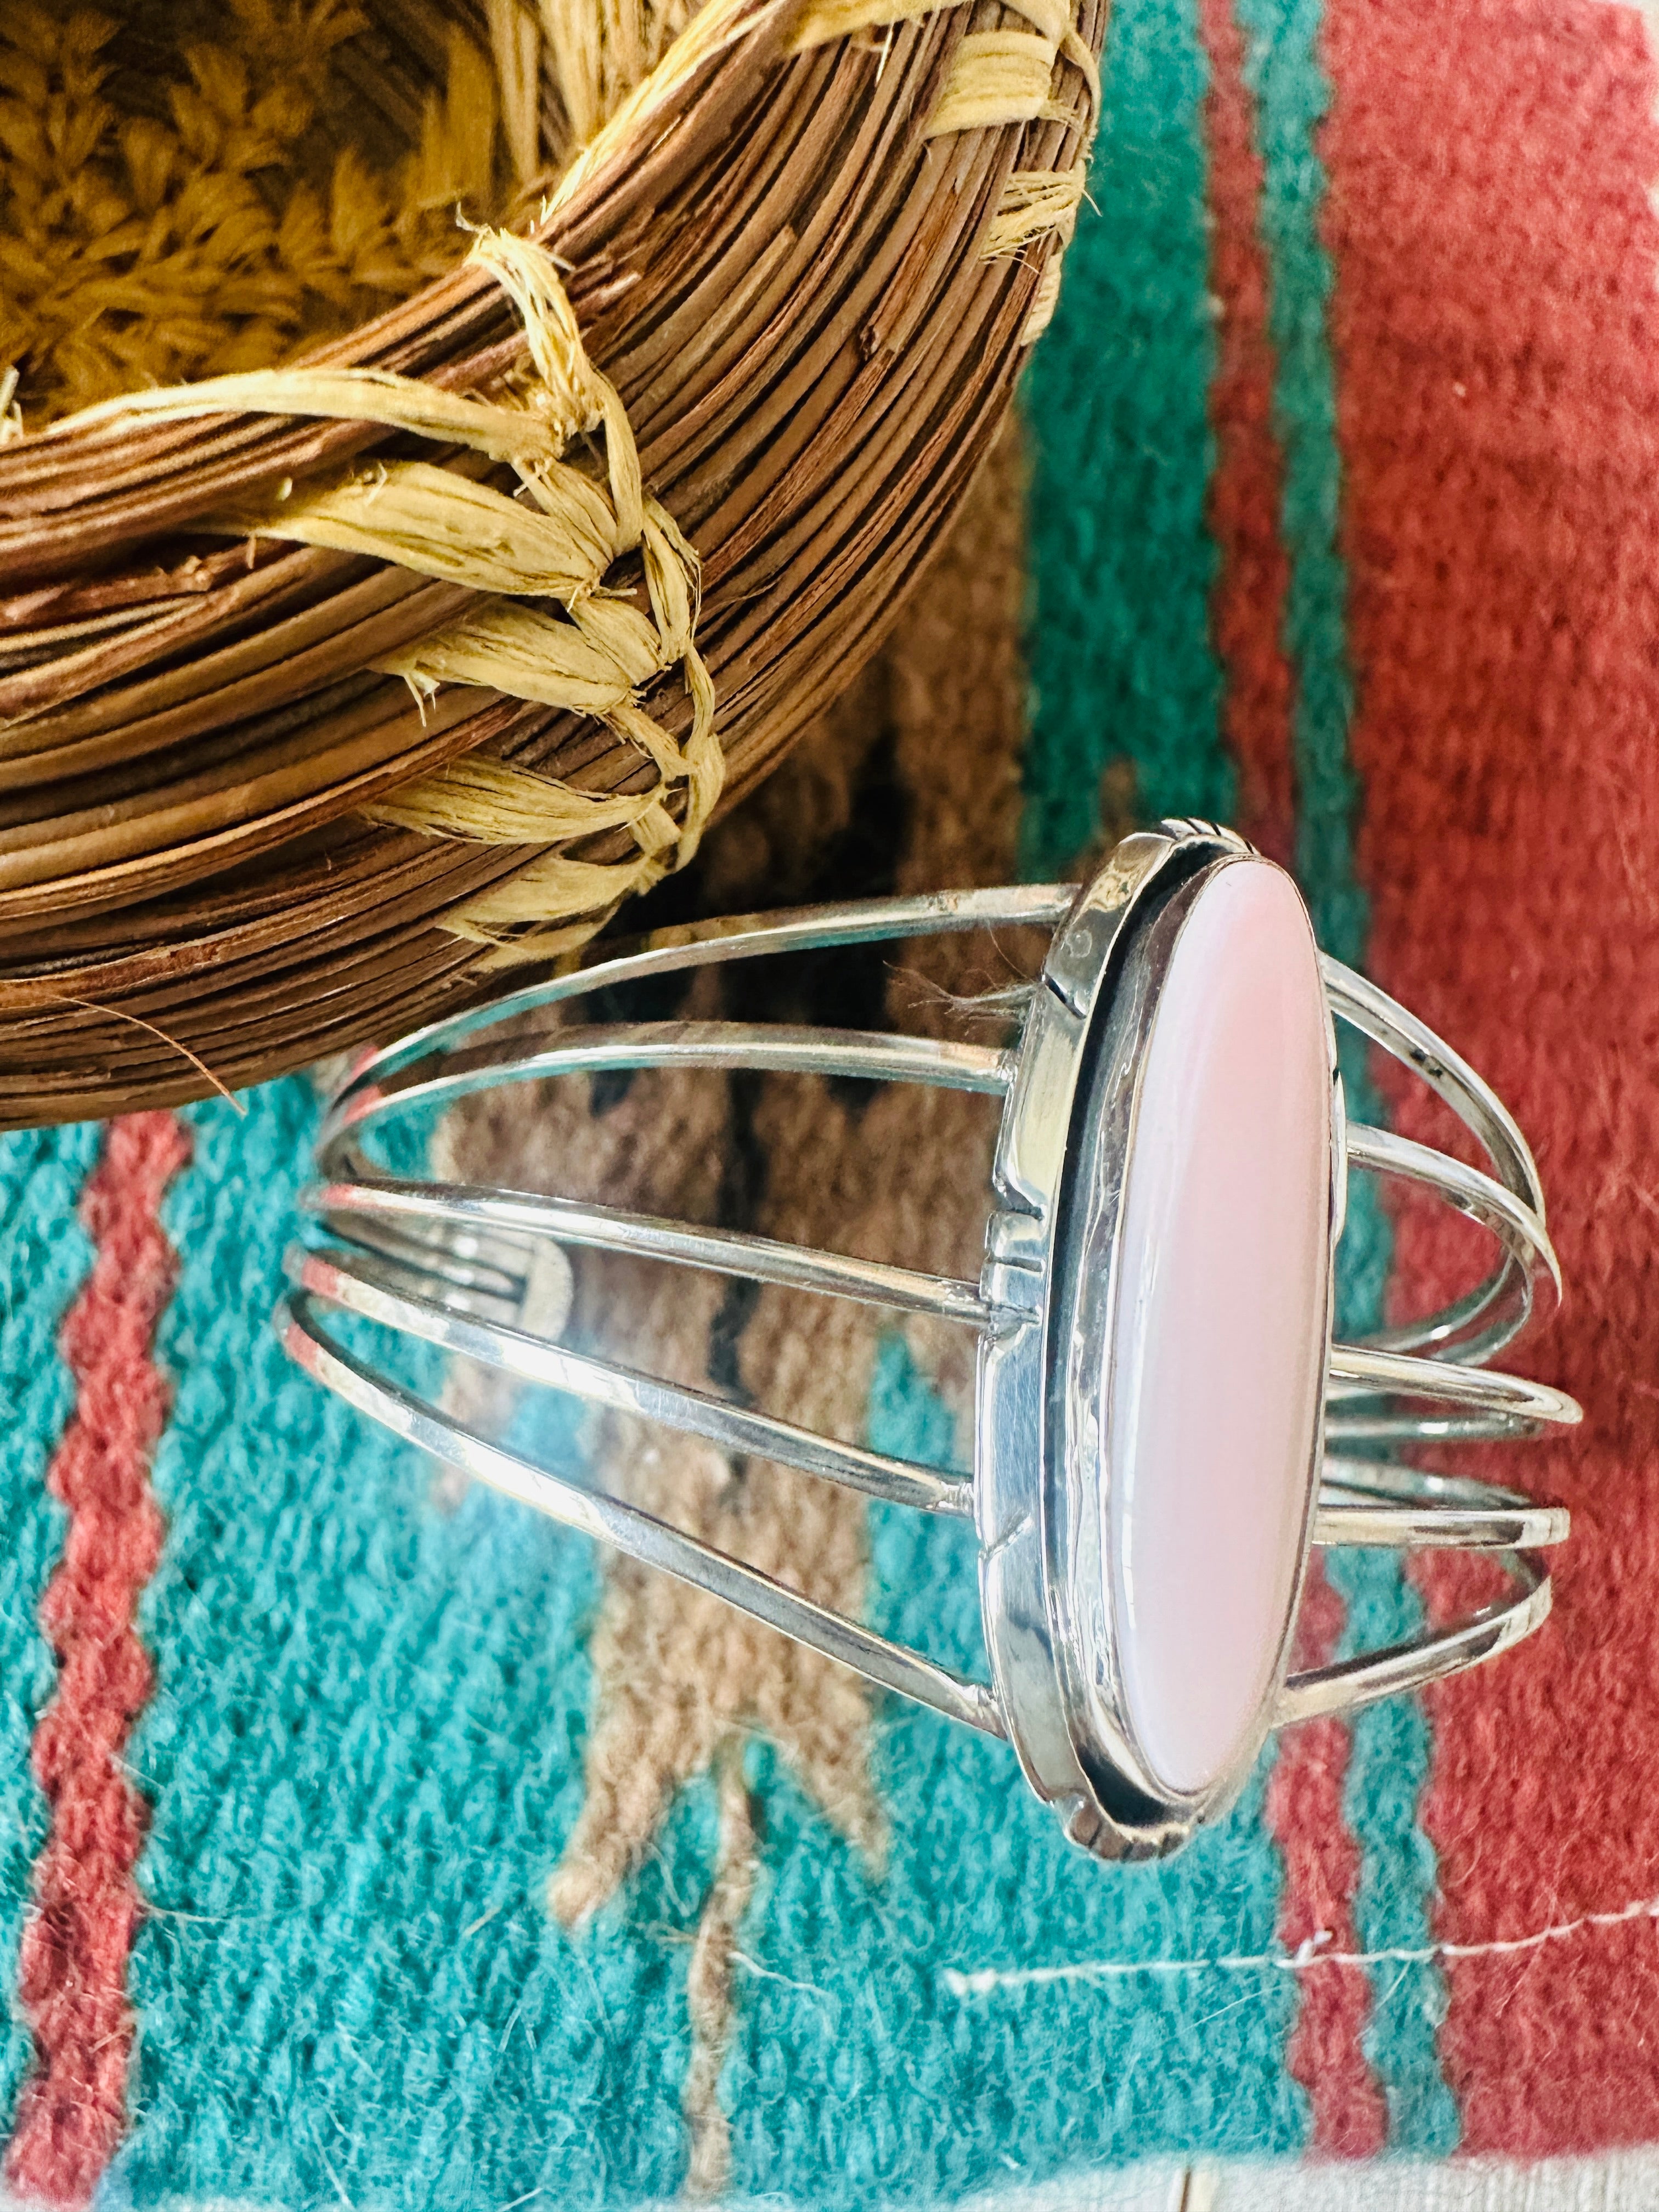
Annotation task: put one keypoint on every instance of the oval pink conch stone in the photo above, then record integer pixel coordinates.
(1220, 1331)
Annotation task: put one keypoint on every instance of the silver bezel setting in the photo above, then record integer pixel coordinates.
(1044, 1499)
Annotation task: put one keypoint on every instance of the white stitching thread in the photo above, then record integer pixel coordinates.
(988, 1981)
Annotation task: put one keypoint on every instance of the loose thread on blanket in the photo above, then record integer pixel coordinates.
(989, 1981)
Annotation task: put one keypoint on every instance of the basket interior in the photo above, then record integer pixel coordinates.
(193, 187)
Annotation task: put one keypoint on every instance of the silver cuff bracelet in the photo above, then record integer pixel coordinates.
(1164, 1426)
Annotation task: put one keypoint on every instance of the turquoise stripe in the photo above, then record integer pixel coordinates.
(1117, 401)
(1390, 1758)
(1283, 72)
(43, 1257)
(365, 1754)
(1387, 1769)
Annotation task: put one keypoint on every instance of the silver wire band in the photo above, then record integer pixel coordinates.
(872, 1056)
(374, 1288)
(1499, 1405)
(1365, 1006)
(1381, 1503)
(1349, 1684)
(1504, 1302)
(1475, 1328)
(700, 944)
(632, 1531)
(613, 1228)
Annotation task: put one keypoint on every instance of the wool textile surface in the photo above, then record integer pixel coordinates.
(368, 1839)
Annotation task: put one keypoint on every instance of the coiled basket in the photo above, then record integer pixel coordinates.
(338, 680)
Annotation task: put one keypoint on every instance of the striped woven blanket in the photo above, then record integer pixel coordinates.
(368, 1840)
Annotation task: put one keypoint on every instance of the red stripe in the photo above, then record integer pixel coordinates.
(1304, 1795)
(1248, 610)
(1498, 336)
(73, 1959)
(1325, 2053)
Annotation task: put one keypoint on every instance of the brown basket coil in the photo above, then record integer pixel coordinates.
(257, 804)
